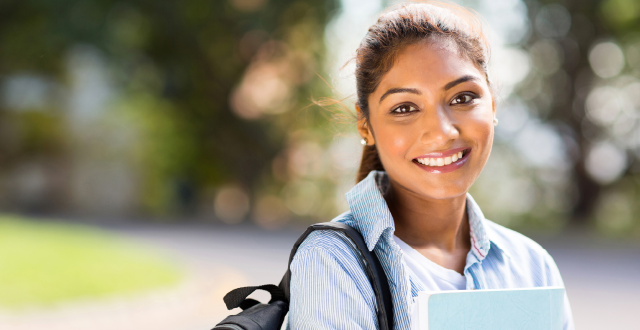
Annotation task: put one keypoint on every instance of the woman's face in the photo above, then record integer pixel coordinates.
(431, 119)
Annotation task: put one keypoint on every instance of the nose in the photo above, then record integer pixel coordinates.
(438, 127)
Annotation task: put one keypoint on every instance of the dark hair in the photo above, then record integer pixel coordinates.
(400, 27)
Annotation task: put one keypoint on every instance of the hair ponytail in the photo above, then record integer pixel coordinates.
(370, 162)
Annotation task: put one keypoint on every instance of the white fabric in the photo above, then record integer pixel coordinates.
(432, 276)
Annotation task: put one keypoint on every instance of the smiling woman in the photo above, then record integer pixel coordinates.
(426, 114)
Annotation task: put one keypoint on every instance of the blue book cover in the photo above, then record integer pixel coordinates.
(502, 309)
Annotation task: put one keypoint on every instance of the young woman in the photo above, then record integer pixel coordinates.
(426, 116)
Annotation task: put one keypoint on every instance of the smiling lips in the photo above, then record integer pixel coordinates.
(442, 162)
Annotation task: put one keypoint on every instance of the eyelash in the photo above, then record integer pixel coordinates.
(405, 105)
(471, 97)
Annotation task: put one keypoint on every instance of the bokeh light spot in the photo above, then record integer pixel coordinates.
(231, 204)
(603, 105)
(606, 59)
(553, 21)
(302, 197)
(270, 212)
(547, 56)
(541, 145)
(606, 162)
(510, 66)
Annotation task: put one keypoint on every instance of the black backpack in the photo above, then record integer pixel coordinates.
(258, 316)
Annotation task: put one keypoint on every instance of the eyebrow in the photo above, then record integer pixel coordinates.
(459, 81)
(417, 92)
(399, 90)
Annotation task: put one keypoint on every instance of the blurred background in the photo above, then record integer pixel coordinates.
(155, 154)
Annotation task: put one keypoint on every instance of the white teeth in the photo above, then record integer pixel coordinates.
(440, 161)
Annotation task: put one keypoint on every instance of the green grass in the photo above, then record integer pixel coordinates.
(46, 263)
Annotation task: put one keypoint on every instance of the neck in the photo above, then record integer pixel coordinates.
(429, 223)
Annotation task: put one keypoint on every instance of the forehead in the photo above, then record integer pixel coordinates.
(431, 63)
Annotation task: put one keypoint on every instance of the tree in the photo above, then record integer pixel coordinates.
(185, 58)
(587, 40)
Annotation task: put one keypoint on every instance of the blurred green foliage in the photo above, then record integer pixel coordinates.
(591, 43)
(201, 108)
(148, 84)
(621, 15)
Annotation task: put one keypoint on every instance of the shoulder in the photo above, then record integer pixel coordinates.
(327, 249)
(329, 289)
(514, 243)
(329, 257)
(329, 242)
(526, 257)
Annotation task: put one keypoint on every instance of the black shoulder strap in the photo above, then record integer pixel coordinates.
(372, 268)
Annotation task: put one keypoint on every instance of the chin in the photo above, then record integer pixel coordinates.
(425, 188)
(444, 194)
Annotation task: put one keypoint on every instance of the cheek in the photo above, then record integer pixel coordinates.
(399, 143)
(395, 141)
(480, 129)
(483, 128)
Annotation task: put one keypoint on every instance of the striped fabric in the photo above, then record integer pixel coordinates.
(329, 289)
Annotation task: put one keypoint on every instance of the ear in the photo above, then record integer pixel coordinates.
(363, 128)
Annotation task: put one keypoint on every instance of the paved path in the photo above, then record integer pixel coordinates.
(601, 276)
(234, 256)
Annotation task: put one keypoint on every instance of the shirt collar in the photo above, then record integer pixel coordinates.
(372, 216)
(369, 209)
(480, 243)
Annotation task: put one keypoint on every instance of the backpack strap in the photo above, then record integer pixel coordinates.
(238, 297)
(372, 267)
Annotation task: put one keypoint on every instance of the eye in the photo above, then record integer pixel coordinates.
(404, 108)
(463, 99)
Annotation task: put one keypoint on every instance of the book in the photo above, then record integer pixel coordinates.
(499, 309)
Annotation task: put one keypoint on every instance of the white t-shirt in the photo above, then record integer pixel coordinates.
(432, 276)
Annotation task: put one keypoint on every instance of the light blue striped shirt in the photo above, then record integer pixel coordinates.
(330, 290)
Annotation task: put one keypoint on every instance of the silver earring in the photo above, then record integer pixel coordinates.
(495, 121)
(363, 141)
